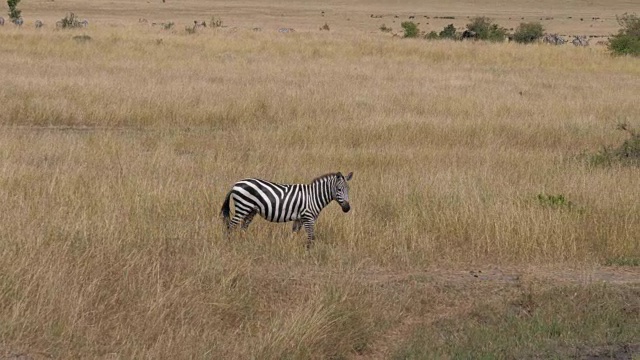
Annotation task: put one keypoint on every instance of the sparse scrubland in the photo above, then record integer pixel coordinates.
(480, 222)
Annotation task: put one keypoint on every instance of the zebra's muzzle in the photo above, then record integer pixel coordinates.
(345, 207)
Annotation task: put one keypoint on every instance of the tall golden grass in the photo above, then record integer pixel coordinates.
(116, 154)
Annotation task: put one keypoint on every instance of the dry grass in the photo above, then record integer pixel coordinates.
(116, 154)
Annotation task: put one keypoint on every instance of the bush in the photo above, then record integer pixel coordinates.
(554, 201)
(215, 22)
(325, 27)
(628, 153)
(486, 30)
(432, 36)
(627, 41)
(384, 28)
(70, 21)
(410, 29)
(449, 32)
(528, 32)
(14, 13)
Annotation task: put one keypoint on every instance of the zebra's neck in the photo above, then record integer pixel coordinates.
(320, 193)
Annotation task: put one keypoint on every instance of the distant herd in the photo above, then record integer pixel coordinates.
(552, 39)
(38, 23)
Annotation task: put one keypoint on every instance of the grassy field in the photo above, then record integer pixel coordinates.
(480, 225)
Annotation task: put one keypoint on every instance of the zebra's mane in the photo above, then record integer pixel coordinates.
(322, 177)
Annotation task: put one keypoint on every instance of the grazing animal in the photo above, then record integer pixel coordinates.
(553, 39)
(300, 203)
(580, 41)
(1, 21)
(39, 24)
(18, 21)
(469, 34)
(286, 30)
(83, 23)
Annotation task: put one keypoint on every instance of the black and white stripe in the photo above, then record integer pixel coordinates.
(580, 41)
(300, 203)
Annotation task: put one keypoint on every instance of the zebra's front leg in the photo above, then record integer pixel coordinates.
(296, 225)
(308, 226)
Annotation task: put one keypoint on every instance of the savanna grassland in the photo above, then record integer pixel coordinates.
(482, 223)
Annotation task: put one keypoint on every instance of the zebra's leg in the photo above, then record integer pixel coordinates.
(248, 218)
(297, 225)
(240, 218)
(235, 220)
(308, 226)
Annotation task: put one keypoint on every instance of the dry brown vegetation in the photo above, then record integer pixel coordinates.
(116, 154)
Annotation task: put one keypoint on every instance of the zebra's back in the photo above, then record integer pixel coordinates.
(274, 202)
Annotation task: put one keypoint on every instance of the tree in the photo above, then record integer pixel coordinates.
(627, 41)
(449, 32)
(486, 30)
(14, 13)
(410, 29)
(528, 32)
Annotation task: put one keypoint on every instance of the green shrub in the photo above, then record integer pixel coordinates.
(554, 201)
(625, 45)
(14, 13)
(449, 32)
(432, 36)
(384, 28)
(486, 30)
(528, 32)
(70, 21)
(628, 153)
(410, 29)
(627, 41)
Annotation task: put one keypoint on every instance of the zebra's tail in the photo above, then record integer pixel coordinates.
(226, 210)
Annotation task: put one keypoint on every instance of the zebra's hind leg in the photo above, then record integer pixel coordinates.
(248, 218)
(238, 218)
(297, 225)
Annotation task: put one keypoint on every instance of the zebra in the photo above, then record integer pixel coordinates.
(469, 34)
(39, 24)
(300, 203)
(18, 21)
(1, 21)
(580, 41)
(553, 39)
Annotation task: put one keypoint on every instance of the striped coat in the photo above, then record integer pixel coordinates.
(300, 203)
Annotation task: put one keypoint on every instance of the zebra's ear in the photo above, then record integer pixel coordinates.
(349, 176)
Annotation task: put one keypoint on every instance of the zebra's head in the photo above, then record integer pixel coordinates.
(341, 191)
